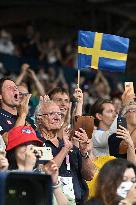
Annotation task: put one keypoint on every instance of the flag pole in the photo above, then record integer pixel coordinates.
(78, 79)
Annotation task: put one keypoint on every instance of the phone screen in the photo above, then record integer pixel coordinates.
(129, 85)
(43, 154)
(121, 121)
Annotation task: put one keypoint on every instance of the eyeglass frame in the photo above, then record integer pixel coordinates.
(130, 111)
(51, 114)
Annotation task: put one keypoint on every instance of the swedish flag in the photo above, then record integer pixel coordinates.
(102, 51)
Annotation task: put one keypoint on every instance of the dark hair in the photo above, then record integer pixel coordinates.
(97, 107)
(94, 201)
(52, 92)
(2, 80)
(11, 156)
(109, 178)
(12, 159)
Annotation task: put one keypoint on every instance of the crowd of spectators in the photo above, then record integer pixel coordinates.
(39, 110)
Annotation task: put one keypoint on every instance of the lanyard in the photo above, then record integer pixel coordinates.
(68, 162)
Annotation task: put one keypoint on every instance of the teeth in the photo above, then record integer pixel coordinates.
(62, 109)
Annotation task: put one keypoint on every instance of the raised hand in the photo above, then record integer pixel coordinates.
(52, 169)
(3, 161)
(25, 67)
(78, 94)
(66, 138)
(31, 73)
(82, 137)
(23, 107)
(127, 97)
(124, 134)
(30, 158)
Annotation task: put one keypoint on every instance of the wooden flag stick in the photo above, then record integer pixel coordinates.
(78, 79)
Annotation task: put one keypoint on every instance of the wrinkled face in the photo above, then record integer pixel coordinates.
(129, 175)
(51, 117)
(62, 100)
(131, 115)
(108, 115)
(10, 94)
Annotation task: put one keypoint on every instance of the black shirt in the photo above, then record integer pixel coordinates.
(114, 144)
(79, 184)
(7, 121)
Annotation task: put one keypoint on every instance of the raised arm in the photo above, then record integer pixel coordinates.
(78, 94)
(37, 83)
(124, 134)
(88, 168)
(51, 169)
(23, 74)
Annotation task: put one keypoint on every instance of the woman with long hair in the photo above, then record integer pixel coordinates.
(109, 182)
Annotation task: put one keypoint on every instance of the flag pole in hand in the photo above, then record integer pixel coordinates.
(78, 79)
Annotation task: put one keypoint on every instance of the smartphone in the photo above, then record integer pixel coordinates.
(86, 123)
(43, 154)
(1, 148)
(129, 85)
(121, 121)
(123, 189)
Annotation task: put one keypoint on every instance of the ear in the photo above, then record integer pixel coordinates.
(99, 116)
(0, 97)
(39, 120)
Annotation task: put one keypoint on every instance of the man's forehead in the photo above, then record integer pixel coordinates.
(108, 105)
(50, 106)
(9, 82)
(60, 95)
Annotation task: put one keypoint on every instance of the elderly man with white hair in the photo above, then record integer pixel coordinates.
(72, 162)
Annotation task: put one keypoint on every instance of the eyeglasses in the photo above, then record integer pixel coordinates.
(52, 114)
(23, 94)
(131, 110)
(60, 100)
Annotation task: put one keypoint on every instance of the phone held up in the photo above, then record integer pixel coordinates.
(43, 154)
(121, 121)
(129, 85)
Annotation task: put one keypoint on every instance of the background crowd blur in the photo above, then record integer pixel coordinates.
(55, 64)
(38, 50)
(48, 43)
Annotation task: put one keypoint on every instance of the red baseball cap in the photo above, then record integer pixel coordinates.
(20, 135)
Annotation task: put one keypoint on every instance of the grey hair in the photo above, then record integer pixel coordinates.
(39, 108)
(39, 111)
(125, 109)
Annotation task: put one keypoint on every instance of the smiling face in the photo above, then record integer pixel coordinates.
(51, 117)
(10, 94)
(62, 100)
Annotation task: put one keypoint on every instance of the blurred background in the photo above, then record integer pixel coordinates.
(43, 33)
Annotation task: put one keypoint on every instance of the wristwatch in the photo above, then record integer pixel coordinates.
(85, 156)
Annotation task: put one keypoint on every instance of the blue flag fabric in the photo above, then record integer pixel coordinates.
(102, 51)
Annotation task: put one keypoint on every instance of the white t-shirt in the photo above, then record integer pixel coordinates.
(100, 140)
